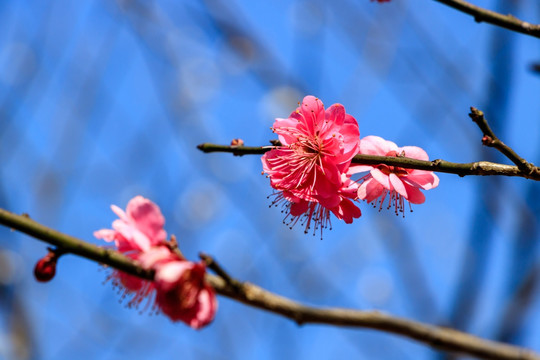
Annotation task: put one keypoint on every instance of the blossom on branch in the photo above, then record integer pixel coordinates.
(139, 228)
(309, 169)
(179, 289)
(183, 295)
(396, 184)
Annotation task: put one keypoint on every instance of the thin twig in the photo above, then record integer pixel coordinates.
(491, 140)
(462, 169)
(509, 22)
(434, 336)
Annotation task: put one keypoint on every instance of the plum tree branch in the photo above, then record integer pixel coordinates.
(509, 22)
(434, 336)
(462, 169)
(491, 140)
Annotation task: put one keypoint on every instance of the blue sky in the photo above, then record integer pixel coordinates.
(105, 100)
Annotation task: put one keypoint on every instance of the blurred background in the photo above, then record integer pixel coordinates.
(104, 100)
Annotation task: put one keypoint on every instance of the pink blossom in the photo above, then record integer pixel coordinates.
(183, 295)
(307, 170)
(178, 287)
(399, 184)
(139, 227)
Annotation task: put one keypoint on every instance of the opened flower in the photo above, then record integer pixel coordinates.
(139, 228)
(309, 168)
(183, 295)
(392, 183)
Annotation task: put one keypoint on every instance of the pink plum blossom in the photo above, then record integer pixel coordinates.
(139, 228)
(178, 288)
(183, 295)
(309, 168)
(396, 183)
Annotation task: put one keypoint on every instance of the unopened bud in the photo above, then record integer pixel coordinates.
(237, 142)
(487, 140)
(46, 267)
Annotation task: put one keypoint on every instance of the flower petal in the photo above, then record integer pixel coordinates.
(369, 190)
(312, 110)
(425, 179)
(375, 145)
(414, 152)
(298, 208)
(381, 178)
(335, 114)
(414, 195)
(147, 218)
(105, 234)
(398, 185)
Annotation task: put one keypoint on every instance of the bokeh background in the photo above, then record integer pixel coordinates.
(104, 100)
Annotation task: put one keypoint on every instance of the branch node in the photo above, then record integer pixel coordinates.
(235, 285)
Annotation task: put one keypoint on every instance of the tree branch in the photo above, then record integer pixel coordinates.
(434, 336)
(509, 22)
(491, 140)
(461, 169)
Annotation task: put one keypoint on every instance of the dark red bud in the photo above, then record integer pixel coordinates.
(487, 140)
(46, 268)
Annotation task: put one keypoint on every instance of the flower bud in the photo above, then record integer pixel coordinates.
(237, 142)
(45, 268)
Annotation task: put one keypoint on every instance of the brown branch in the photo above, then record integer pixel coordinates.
(491, 140)
(434, 336)
(509, 22)
(462, 169)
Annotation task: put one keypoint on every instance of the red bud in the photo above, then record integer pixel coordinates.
(46, 267)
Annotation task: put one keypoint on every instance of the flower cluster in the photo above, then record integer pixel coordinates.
(179, 288)
(311, 167)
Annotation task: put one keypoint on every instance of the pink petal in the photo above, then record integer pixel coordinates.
(131, 238)
(381, 178)
(298, 208)
(105, 234)
(356, 168)
(121, 214)
(425, 179)
(330, 171)
(375, 145)
(207, 308)
(312, 110)
(347, 211)
(171, 272)
(398, 185)
(330, 201)
(155, 255)
(335, 114)
(414, 195)
(369, 190)
(285, 130)
(148, 218)
(414, 152)
(351, 139)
